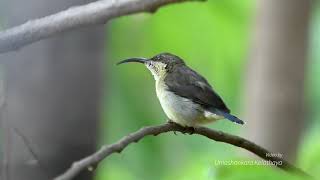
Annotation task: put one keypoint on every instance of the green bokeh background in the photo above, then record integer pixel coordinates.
(214, 39)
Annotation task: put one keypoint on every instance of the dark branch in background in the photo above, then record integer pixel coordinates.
(98, 12)
(105, 151)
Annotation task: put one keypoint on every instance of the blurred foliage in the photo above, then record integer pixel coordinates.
(214, 39)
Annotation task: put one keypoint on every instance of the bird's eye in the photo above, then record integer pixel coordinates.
(150, 64)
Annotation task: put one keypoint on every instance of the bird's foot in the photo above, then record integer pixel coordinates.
(171, 122)
(190, 130)
(186, 129)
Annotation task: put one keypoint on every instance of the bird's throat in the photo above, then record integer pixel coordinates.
(158, 71)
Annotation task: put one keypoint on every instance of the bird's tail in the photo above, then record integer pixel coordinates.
(229, 116)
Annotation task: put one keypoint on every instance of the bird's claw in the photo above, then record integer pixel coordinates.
(170, 121)
(187, 130)
(190, 130)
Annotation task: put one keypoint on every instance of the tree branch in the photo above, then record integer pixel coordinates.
(105, 151)
(98, 12)
(34, 155)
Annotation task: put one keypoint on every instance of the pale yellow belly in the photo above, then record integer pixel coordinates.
(182, 110)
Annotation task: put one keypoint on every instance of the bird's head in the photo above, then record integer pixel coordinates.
(159, 65)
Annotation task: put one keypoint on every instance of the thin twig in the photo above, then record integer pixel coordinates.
(219, 136)
(7, 152)
(98, 12)
(6, 131)
(28, 144)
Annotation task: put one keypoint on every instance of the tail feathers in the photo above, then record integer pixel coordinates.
(229, 117)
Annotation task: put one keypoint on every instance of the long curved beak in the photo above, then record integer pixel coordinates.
(138, 60)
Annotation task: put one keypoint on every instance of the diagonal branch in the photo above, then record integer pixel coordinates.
(35, 157)
(105, 151)
(98, 12)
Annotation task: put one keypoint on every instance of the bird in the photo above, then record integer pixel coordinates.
(185, 96)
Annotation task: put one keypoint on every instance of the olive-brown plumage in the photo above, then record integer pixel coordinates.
(186, 97)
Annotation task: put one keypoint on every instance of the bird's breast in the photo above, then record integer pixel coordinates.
(179, 109)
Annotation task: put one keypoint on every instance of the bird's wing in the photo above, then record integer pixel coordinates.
(187, 83)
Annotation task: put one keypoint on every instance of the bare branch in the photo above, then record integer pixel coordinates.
(98, 12)
(6, 155)
(105, 151)
(35, 157)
